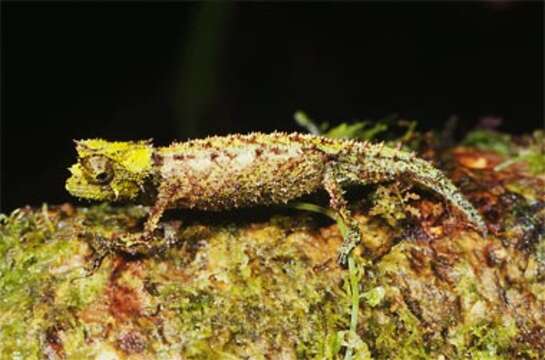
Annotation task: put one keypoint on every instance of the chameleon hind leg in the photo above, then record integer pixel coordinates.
(352, 235)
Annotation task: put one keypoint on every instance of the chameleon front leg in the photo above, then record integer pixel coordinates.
(352, 236)
(156, 212)
(143, 242)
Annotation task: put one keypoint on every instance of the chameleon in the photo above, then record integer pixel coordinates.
(225, 172)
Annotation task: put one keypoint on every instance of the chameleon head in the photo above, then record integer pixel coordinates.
(110, 170)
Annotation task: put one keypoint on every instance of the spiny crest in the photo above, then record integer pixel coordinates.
(134, 156)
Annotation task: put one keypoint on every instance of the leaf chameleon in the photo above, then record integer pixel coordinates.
(220, 173)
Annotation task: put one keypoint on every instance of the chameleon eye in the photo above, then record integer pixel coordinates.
(98, 169)
(103, 177)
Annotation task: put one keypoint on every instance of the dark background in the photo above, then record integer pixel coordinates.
(173, 71)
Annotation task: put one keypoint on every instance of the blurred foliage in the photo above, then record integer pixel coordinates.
(532, 153)
(526, 149)
(360, 130)
(392, 130)
(489, 140)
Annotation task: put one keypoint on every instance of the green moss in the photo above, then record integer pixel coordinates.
(76, 345)
(400, 337)
(392, 204)
(80, 290)
(374, 296)
(28, 255)
(223, 278)
(486, 339)
(262, 281)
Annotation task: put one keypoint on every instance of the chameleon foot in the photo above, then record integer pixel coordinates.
(99, 250)
(351, 239)
(146, 243)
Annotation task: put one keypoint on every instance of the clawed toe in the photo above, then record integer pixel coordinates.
(342, 258)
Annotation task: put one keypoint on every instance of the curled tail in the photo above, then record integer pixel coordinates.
(379, 163)
(428, 176)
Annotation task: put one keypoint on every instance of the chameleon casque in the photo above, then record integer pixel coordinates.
(221, 173)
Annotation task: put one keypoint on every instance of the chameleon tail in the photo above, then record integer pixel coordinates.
(386, 163)
(423, 173)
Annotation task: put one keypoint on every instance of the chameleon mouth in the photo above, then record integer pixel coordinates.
(87, 191)
(78, 186)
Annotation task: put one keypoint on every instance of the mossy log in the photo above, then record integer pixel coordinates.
(246, 286)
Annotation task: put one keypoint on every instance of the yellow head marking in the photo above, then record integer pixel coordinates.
(110, 170)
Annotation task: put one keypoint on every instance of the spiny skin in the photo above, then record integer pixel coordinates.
(219, 173)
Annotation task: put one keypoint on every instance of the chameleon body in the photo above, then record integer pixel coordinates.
(220, 173)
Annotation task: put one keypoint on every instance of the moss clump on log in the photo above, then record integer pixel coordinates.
(240, 286)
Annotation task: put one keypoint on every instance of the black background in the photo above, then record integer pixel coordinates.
(179, 70)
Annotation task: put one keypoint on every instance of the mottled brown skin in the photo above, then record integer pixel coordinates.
(220, 173)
